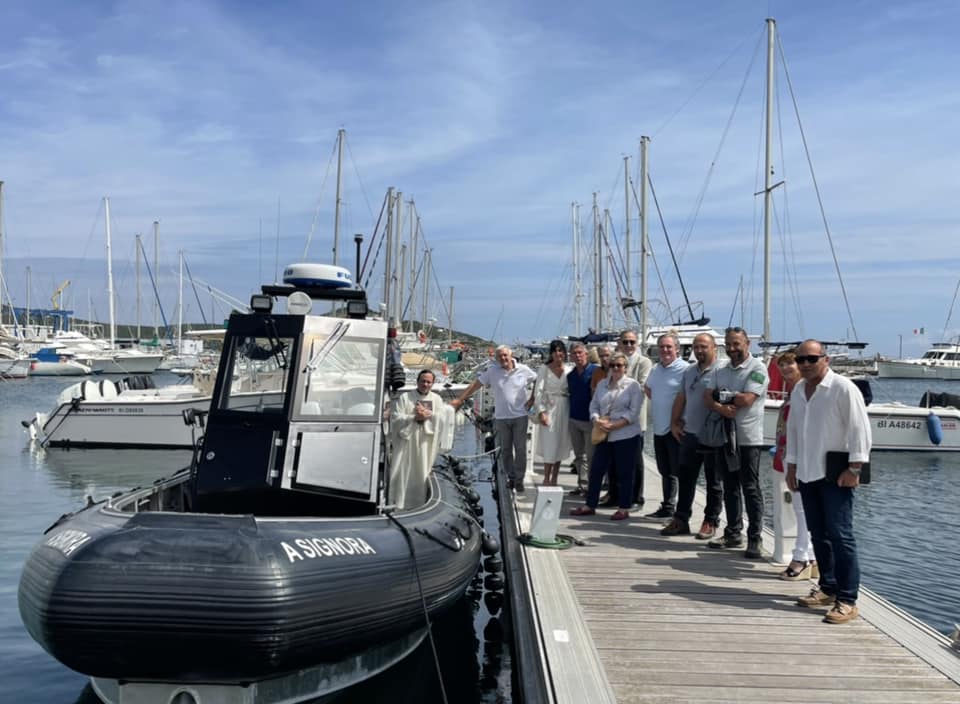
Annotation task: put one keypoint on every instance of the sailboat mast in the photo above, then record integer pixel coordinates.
(29, 286)
(3, 284)
(768, 178)
(577, 276)
(336, 210)
(395, 295)
(626, 218)
(597, 269)
(180, 308)
(611, 269)
(426, 286)
(413, 261)
(137, 268)
(644, 325)
(450, 321)
(402, 283)
(156, 268)
(113, 321)
(388, 256)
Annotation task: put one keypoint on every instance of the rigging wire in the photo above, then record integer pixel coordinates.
(946, 325)
(196, 293)
(316, 211)
(786, 232)
(676, 266)
(705, 81)
(656, 267)
(816, 188)
(363, 189)
(698, 201)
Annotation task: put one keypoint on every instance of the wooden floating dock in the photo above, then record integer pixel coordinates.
(630, 617)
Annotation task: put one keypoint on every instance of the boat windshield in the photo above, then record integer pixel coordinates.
(258, 374)
(343, 377)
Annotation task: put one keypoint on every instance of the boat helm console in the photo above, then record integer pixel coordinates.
(295, 424)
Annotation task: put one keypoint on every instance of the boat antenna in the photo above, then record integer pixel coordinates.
(358, 240)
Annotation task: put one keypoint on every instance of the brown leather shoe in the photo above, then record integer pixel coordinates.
(841, 613)
(816, 598)
(620, 515)
(707, 531)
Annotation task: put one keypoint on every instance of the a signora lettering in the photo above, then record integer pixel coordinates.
(68, 541)
(309, 548)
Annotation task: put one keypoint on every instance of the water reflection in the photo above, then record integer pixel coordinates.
(903, 522)
(99, 473)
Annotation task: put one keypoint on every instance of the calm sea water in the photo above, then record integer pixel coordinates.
(36, 487)
(904, 524)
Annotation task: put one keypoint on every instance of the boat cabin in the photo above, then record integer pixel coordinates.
(295, 424)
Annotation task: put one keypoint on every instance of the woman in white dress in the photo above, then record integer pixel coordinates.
(551, 406)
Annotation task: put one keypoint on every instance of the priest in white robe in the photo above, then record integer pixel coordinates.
(421, 425)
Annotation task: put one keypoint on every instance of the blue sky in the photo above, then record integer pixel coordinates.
(219, 120)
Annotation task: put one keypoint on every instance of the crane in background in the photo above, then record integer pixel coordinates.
(57, 296)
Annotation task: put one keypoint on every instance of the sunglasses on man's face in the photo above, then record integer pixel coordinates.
(618, 365)
(628, 342)
(809, 358)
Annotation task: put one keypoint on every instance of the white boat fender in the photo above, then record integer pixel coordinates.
(934, 428)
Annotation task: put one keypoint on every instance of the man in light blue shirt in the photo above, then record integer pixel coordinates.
(662, 386)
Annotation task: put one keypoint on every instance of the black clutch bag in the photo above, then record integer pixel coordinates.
(837, 464)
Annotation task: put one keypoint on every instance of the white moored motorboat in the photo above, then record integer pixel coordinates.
(941, 361)
(896, 426)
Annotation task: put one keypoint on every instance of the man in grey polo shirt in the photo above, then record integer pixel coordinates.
(740, 389)
(509, 380)
(689, 413)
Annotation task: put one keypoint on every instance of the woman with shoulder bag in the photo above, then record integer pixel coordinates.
(615, 412)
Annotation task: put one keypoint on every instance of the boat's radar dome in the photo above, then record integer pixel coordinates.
(317, 275)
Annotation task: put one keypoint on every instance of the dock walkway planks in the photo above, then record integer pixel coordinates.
(634, 617)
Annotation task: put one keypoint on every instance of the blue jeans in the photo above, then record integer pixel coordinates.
(829, 511)
(512, 436)
(622, 455)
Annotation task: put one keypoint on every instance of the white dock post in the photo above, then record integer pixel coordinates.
(784, 520)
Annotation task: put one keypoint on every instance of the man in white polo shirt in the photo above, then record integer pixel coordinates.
(510, 381)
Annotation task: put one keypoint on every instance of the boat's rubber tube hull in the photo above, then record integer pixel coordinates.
(158, 596)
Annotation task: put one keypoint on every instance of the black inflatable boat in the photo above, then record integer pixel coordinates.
(277, 552)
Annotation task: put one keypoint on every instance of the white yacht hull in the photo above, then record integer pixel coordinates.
(902, 369)
(67, 368)
(135, 364)
(895, 426)
(142, 422)
(141, 418)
